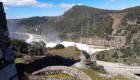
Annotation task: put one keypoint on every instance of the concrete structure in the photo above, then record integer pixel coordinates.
(116, 41)
(7, 66)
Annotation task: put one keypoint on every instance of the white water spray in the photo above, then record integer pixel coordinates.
(80, 46)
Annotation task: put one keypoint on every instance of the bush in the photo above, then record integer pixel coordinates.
(17, 55)
(115, 55)
(36, 51)
(59, 46)
(93, 65)
(100, 56)
(86, 54)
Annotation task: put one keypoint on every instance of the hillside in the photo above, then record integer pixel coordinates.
(119, 30)
(71, 21)
(82, 21)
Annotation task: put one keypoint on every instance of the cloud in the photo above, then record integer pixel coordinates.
(43, 5)
(5, 8)
(35, 3)
(80, 4)
(66, 6)
(112, 0)
(19, 2)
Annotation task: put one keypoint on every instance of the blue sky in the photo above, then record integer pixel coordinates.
(28, 8)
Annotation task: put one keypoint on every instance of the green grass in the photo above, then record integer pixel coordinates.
(58, 75)
(68, 52)
(108, 56)
(91, 73)
(94, 75)
(18, 60)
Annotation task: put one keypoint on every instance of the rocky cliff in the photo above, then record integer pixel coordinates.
(7, 66)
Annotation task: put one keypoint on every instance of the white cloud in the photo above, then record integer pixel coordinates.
(5, 8)
(112, 0)
(35, 3)
(18, 2)
(66, 6)
(80, 4)
(43, 5)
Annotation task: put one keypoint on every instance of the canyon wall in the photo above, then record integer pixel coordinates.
(7, 66)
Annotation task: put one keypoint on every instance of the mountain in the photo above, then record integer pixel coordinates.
(71, 21)
(80, 21)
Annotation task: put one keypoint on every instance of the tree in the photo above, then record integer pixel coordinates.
(86, 54)
(20, 46)
(59, 46)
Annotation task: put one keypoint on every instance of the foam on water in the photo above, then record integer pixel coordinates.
(80, 46)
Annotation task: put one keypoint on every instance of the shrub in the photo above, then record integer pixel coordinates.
(115, 55)
(59, 46)
(93, 65)
(86, 54)
(100, 56)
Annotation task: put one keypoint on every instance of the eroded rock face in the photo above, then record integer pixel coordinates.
(7, 66)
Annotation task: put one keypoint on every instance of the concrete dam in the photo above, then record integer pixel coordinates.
(116, 41)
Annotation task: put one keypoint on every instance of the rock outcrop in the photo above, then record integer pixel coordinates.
(117, 18)
(7, 66)
(75, 73)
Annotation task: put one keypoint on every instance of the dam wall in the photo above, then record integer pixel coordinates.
(116, 41)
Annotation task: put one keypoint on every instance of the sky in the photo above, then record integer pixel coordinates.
(16, 9)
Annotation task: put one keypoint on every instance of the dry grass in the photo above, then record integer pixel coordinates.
(68, 52)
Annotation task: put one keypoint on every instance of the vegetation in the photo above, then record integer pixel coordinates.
(70, 22)
(19, 46)
(68, 52)
(94, 75)
(82, 21)
(110, 56)
(131, 10)
(59, 46)
(22, 48)
(18, 61)
(93, 65)
(59, 75)
(86, 54)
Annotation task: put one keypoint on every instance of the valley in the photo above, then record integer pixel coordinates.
(83, 43)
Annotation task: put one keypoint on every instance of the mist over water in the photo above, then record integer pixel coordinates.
(80, 46)
(51, 39)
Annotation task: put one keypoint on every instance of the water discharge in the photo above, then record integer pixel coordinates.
(80, 46)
